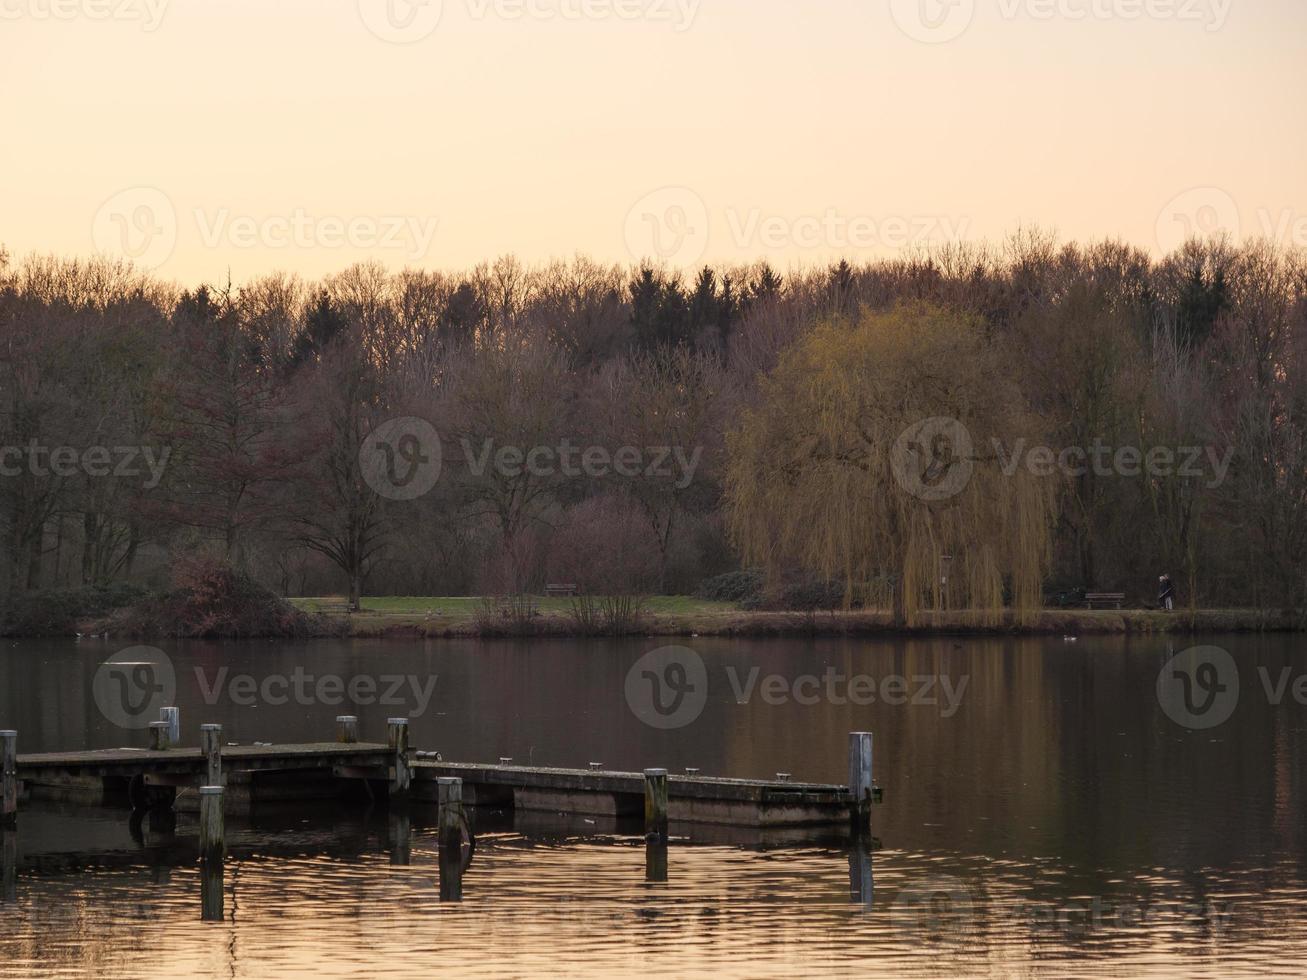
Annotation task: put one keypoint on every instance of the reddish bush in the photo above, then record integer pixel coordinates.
(210, 598)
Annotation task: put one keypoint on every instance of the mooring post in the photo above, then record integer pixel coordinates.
(9, 777)
(213, 843)
(397, 739)
(400, 828)
(449, 794)
(655, 860)
(655, 805)
(159, 736)
(8, 866)
(211, 892)
(860, 782)
(173, 717)
(211, 746)
(347, 729)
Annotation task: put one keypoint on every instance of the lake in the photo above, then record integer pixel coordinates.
(1050, 809)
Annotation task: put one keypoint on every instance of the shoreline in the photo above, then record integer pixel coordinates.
(728, 622)
(1052, 622)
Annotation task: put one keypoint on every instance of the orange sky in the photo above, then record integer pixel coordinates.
(255, 135)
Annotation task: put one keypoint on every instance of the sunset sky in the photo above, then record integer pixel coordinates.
(254, 135)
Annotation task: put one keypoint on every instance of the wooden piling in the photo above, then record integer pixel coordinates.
(213, 843)
(449, 794)
(400, 829)
(655, 860)
(860, 782)
(159, 736)
(9, 778)
(211, 892)
(451, 876)
(211, 746)
(397, 739)
(8, 866)
(449, 790)
(655, 804)
(347, 729)
(173, 717)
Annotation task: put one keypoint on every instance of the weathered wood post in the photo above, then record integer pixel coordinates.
(211, 746)
(347, 729)
(159, 736)
(449, 794)
(655, 805)
(400, 828)
(9, 778)
(397, 739)
(213, 842)
(211, 892)
(655, 860)
(860, 782)
(8, 865)
(173, 717)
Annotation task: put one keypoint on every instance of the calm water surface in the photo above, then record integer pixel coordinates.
(1048, 817)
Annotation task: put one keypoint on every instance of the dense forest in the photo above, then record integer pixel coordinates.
(142, 423)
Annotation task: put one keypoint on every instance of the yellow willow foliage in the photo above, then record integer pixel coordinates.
(814, 481)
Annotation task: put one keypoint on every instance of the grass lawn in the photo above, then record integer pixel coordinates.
(673, 615)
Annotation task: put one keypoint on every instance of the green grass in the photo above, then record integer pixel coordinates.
(464, 607)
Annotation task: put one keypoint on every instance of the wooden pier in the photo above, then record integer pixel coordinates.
(691, 799)
(214, 780)
(183, 777)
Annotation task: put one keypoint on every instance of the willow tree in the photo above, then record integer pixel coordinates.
(887, 451)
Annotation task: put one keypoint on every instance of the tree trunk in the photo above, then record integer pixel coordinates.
(90, 536)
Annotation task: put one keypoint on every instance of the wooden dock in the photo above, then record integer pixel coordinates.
(182, 777)
(217, 780)
(692, 799)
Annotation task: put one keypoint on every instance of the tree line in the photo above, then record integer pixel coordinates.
(743, 415)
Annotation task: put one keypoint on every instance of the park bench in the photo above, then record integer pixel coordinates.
(334, 607)
(561, 590)
(1104, 599)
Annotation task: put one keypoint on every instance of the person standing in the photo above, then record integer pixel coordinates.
(1165, 592)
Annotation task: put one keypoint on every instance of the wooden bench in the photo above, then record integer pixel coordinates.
(561, 590)
(334, 607)
(1104, 599)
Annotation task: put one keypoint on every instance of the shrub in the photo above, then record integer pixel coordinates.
(212, 599)
(510, 615)
(805, 595)
(750, 589)
(57, 612)
(732, 586)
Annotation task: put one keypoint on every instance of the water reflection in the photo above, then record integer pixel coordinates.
(323, 896)
(1058, 822)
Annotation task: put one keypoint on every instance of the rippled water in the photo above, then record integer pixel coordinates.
(1057, 823)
